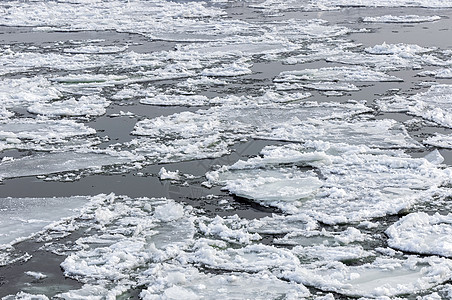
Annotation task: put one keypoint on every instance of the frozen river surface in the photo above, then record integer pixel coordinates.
(226, 149)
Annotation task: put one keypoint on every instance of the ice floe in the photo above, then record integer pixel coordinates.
(355, 74)
(422, 233)
(384, 277)
(432, 105)
(49, 163)
(385, 182)
(22, 217)
(40, 134)
(84, 106)
(401, 19)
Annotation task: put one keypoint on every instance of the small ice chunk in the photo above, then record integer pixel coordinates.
(169, 175)
(36, 275)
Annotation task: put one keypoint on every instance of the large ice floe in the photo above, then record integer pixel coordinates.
(432, 105)
(422, 233)
(343, 183)
(48, 163)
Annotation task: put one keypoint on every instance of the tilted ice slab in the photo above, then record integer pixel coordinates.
(422, 233)
(354, 183)
(401, 19)
(84, 106)
(384, 277)
(360, 74)
(433, 105)
(29, 133)
(22, 217)
(49, 163)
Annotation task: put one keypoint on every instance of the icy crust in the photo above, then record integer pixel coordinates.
(433, 105)
(346, 180)
(384, 277)
(57, 162)
(422, 233)
(22, 217)
(401, 19)
(43, 134)
(84, 106)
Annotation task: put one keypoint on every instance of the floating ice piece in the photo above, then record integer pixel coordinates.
(49, 163)
(439, 140)
(26, 91)
(357, 73)
(384, 277)
(384, 182)
(422, 233)
(139, 234)
(440, 73)
(324, 5)
(26, 296)
(95, 15)
(97, 79)
(251, 258)
(32, 133)
(175, 282)
(401, 19)
(231, 229)
(164, 174)
(96, 50)
(22, 217)
(379, 133)
(209, 133)
(85, 106)
(181, 100)
(332, 253)
(36, 275)
(228, 70)
(319, 86)
(434, 105)
(272, 185)
(403, 50)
